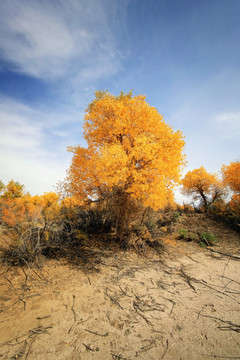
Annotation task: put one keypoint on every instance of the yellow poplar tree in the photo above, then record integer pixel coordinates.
(231, 177)
(12, 190)
(203, 186)
(130, 148)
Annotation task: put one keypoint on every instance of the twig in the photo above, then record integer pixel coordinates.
(30, 333)
(19, 353)
(165, 349)
(123, 291)
(147, 347)
(8, 307)
(40, 330)
(171, 301)
(80, 322)
(142, 316)
(88, 347)
(188, 279)
(24, 303)
(113, 300)
(20, 299)
(39, 275)
(230, 326)
(74, 315)
(9, 281)
(72, 308)
(231, 279)
(43, 317)
(212, 288)
(95, 333)
(233, 327)
(27, 276)
(222, 357)
(29, 348)
(206, 241)
(118, 357)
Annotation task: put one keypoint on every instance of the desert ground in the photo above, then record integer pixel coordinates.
(102, 302)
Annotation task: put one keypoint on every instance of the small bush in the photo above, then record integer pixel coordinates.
(150, 224)
(187, 208)
(183, 233)
(176, 215)
(186, 235)
(208, 238)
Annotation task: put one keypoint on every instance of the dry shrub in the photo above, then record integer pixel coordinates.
(119, 211)
(228, 213)
(41, 225)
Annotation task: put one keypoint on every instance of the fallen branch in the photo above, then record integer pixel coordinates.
(221, 253)
(230, 279)
(20, 299)
(229, 326)
(30, 333)
(212, 288)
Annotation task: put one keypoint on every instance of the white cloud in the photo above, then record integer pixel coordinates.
(33, 145)
(227, 127)
(228, 117)
(18, 133)
(48, 39)
(211, 126)
(38, 176)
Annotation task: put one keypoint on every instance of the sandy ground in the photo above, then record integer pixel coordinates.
(183, 304)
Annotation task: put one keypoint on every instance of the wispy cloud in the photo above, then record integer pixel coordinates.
(209, 117)
(17, 130)
(229, 117)
(33, 144)
(48, 39)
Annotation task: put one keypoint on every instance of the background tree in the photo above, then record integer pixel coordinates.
(205, 188)
(12, 190)
(2, 187)
(131, 153)
(231, 177)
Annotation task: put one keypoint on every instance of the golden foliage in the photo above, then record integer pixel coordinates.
(231, 176)
(234, 204)
(25, 210)
(12, 190)
(129, 147)
(203, 186)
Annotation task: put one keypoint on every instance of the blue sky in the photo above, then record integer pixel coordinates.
(184, 55)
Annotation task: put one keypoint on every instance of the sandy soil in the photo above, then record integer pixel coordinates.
(183, 304)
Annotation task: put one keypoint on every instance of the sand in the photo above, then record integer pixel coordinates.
(183, 304)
